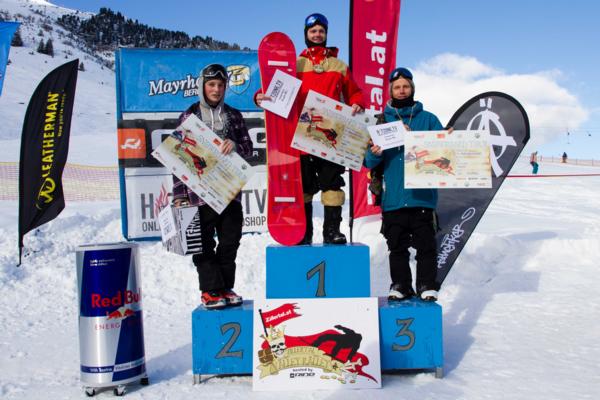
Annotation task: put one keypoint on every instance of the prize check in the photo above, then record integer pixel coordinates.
(436, 159)
(198, 162)
(388, 135)
(282, 90)
(327, 129)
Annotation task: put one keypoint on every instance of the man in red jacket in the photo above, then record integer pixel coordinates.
(321, 71)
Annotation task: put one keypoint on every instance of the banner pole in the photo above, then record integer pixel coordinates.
(350, 176)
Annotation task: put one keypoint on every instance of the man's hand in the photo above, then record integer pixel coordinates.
(356, 109)
(180, 202)
(260, 97)
(375, 149)
(227, 146)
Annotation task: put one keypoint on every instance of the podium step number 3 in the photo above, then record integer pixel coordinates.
(411, 335)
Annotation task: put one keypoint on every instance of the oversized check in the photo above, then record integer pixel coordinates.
(436, 159)
(193, 155)
(327, 129)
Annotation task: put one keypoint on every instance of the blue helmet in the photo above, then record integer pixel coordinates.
(315, 19)
(401, 72)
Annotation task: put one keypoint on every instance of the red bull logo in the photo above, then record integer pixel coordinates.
(121, 298)
(120, 313)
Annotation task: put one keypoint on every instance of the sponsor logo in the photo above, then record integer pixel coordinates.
(120, 314)
(375, 67)
(126, 302)
(188, 86)
(487, 120)
(239, 81)
(239, 78)
(132, 143)
(52, 129)
(451, 240)
(123, 297)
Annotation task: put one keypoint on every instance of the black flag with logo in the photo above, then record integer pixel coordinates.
(44, 149)
(459, 210)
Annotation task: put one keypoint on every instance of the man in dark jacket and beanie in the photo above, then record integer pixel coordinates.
(216, 265)
(409, 218)
(321, 71)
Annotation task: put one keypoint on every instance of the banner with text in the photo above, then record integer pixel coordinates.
(373, 42)
(459, 210)
(153, 87)
(44, 149)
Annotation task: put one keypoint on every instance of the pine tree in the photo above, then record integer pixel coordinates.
(17, 41)
(49, 49)
(81, 67)
(41, 48)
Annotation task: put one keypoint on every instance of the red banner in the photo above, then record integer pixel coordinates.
(373, 41)
(279, 314)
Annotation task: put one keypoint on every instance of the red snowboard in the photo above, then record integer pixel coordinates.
(285, 214)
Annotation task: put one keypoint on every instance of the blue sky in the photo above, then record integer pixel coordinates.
(544, 53)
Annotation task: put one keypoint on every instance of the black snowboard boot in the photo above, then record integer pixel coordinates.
(308, 211)
(331, 226)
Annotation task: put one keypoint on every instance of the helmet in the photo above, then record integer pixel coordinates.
(214, 71)
(401, 73)
(315, 19)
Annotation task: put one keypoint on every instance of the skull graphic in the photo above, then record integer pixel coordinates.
(278, 347)
(276, 340)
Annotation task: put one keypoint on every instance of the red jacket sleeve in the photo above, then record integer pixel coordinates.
(351, 91)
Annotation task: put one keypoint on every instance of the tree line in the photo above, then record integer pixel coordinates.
(108, 30)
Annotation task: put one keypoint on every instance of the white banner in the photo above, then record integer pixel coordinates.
(144, 190)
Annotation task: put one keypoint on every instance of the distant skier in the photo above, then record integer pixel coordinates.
(534, 162)
(321, 71)
(216, 265)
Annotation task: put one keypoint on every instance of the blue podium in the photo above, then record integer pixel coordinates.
(318, 271)
(410, 331)
(410, 335)
(222, 341)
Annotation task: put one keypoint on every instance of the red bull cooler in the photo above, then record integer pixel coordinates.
(111, 334)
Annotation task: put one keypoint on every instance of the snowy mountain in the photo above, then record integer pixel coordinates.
(70, 34)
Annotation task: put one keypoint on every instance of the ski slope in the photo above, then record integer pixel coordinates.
(521, 319)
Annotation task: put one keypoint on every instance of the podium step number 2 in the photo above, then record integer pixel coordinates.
(222, 341)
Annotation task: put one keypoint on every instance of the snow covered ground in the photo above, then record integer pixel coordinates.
(521, 318)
